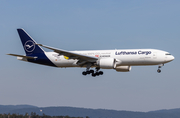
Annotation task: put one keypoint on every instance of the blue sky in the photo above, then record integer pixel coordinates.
(87, 25)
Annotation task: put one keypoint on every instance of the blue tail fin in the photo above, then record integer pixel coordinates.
(28, 43)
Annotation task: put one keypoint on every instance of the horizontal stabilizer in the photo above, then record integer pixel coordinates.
(28, 57)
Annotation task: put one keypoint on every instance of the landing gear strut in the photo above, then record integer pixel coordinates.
(94, 74)
(97, 73)
(87, 72)
(159, 70)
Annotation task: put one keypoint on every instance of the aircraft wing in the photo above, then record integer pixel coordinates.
(71, 55)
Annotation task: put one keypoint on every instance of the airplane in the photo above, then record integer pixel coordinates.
(119, 60)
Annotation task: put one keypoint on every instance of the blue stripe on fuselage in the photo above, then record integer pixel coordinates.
(41, 59)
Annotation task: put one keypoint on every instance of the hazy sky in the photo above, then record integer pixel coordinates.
(87, 25)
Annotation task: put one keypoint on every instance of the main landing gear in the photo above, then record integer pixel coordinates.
(94, 74)
(159, 70)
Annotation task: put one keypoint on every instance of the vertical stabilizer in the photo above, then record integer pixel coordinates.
(34, 53)
(28, 43)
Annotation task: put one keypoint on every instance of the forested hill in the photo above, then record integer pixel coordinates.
(83, 112)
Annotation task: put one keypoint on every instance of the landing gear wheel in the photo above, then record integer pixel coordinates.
(88, 72)
(97, 73)
(100, 72)
(91, 71)
(159, 71)
(93, 74)
(84, 73)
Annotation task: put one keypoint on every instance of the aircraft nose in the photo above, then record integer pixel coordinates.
(171, 58)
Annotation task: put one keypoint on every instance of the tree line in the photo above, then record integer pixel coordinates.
(33, 115)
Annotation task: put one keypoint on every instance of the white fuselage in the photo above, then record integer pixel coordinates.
(128, 57)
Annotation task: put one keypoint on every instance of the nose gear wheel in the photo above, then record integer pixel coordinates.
(159, 70)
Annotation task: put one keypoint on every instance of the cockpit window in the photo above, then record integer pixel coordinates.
(168, 54)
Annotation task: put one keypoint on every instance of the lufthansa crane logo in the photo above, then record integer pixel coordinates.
(29, 46)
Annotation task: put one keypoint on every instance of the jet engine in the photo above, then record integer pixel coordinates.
(123, 68)
(107, 63)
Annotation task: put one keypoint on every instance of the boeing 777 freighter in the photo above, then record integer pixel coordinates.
(119, 60)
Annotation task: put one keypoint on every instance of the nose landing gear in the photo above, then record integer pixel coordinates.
(159, 70)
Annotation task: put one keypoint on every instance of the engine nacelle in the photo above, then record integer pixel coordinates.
(107, 63)
(123, 68)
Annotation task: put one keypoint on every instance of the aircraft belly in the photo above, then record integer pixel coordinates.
(66, 63)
